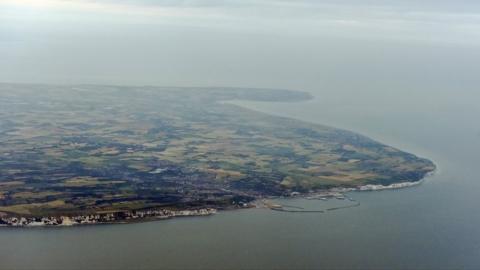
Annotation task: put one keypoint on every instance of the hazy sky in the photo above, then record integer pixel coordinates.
(272, 43)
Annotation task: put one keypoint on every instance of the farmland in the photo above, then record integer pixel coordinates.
(68, 150)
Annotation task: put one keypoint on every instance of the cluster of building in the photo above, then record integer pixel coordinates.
(103, 218)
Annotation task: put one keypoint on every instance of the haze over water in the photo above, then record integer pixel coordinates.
(434, 225)
(403, 74)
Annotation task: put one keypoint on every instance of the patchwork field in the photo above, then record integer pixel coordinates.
(90, 149)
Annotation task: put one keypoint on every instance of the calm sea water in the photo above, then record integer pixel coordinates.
(435, 225)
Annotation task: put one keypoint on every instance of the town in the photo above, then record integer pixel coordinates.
(118, 217)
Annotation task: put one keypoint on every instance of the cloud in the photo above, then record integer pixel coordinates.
(408, 20)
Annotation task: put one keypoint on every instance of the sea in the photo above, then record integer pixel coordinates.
(435, 225)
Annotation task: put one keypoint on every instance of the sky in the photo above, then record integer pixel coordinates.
(303, 44)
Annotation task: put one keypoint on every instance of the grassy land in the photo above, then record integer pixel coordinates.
(76, 149)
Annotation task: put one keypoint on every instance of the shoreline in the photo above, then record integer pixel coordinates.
(124, 217)
(339, 193)
(138, 216)
(400, 185)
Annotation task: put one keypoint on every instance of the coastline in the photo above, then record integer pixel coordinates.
(79, 180)
(340, 193)
(397, 185)
(107, 218)
(126, 217)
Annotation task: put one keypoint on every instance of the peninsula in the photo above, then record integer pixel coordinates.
(101, 153)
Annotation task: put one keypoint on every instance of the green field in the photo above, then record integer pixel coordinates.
(92, 148)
